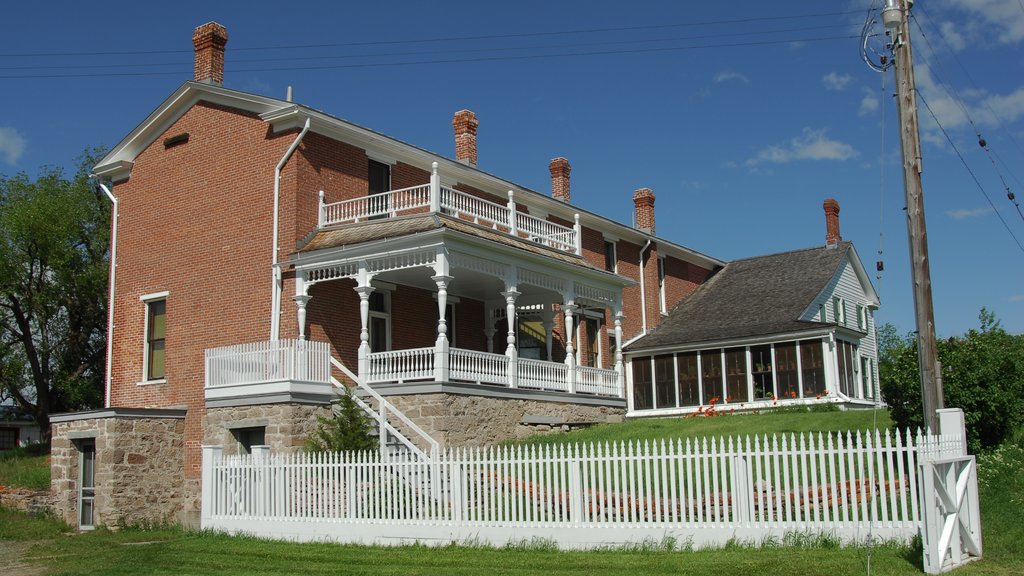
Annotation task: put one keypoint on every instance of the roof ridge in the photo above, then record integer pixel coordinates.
(841, 244)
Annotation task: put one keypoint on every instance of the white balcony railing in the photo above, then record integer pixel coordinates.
(436, 198)
(268, 362)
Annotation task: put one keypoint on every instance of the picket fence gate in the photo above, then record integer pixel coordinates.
(698, 494)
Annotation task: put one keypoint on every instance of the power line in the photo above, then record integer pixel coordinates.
(969, 171)
(421, 52)
(454, 60)
(448, 39)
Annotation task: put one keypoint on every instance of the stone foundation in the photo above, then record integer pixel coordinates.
(139, 465)
(459, 416)
(286, 425)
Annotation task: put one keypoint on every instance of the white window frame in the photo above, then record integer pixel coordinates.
(662, 276)
(146, 300)
(839, 308)
(80, 445)
(385, 291)
(597, 315)
(615, 254)
(862, 317)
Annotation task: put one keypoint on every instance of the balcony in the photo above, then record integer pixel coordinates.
(433, 197)
(299, 367)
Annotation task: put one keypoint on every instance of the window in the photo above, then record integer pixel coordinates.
(86, 483)
(689, 379)
(761, 370)
(642, 383)
(839, 310)
(665, 381)
(867, 377)
(862, 317)
(711, 375)
(661, 285)
(590, 355)
(249, 437)
(378, 182)
(154, 353)
(846, 357)
(786, 374)
(8, 438)
(380, 321)
(610, 257)
(736, 375)
(812, 367)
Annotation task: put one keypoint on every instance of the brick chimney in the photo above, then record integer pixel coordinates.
(465, 124)
(832, 236)
(209, 41)
(643, 201)
(560, 168)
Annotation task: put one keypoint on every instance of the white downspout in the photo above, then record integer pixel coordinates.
(643, 293)
(275, 290)
(110, 304)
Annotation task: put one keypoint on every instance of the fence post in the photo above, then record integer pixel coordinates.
(211, 455)
(575, 489)
(260, 456)
(951, 423)
(455, 485)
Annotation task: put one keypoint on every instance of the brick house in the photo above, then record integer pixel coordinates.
(267, 254)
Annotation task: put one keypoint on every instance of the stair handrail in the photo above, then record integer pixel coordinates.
(435, 447)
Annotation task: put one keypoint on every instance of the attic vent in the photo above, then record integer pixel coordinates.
(176, 140)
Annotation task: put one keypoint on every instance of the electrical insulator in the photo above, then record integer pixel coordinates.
(880, 266)
(981, 142)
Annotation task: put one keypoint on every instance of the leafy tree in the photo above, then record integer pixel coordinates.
(54, 251)
(348, 429)
(983, 374)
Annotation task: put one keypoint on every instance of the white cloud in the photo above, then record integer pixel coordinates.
(835, 81)
(952, 34)
(810, 145)
(1017, 298)
(1008, 108)
(729, 75)
(12, 145)
(988, 20)
(963, 213)
(868, 103)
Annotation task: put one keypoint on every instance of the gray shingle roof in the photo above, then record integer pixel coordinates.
(751, 297)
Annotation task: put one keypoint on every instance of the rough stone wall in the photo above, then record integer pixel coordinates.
(139, 470)
(456, 420)
(287, 425)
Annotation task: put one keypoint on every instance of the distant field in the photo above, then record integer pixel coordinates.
(25, 468)
(783, 422)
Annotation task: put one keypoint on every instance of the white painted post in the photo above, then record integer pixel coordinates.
(435, 189)
(300, 301)
(951, 423)
(570, 352)
(321, 210)
(441, 347)
(456, 495)
(619, 367)
(510, 350)
(211, 455)
(512, 224)
(260, 455)
(578, 234)
(364, 292)
(575, 488)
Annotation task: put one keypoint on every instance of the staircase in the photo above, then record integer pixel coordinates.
(393, 428)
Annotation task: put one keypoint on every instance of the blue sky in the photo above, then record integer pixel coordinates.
(741, 116)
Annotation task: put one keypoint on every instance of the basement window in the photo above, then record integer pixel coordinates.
(249, 437)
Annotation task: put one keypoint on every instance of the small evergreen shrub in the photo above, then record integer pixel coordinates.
(347, 430)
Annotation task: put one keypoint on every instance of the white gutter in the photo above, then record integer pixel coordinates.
(110, 304)
(643, 294)
(275, 270)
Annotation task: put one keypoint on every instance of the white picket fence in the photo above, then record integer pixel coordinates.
(698, 493)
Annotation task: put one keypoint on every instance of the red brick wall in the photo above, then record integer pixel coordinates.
(194, 220)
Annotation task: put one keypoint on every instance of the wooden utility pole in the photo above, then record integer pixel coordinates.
(906, 103)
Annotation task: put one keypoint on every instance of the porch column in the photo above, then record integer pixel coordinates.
(570, 307)
(489, 329)
(548, 319)
(364, 290)
(510, 350)
(441, 350)
(619, 368)
(435, 189)
(301, 298)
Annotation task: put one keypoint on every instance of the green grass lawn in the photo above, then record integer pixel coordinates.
(781, 422)
(25, 468)
(179, 553)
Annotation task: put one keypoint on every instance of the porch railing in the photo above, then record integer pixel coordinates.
(436, 198)
(489, 368)
(273, 361)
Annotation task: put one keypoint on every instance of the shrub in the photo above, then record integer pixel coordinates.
(348, 429)
(983, 374)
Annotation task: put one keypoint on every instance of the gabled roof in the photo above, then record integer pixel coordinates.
(757, 296)
(283, 115)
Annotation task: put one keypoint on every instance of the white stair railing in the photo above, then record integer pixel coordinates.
(381, 417)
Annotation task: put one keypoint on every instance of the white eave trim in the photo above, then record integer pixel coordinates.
(811, 332)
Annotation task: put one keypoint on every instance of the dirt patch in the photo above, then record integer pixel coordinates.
(13, 554)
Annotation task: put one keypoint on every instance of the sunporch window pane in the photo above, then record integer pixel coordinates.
(643, 398)
(665, 381)
(689, 391)
(711, 373)
(761, 369)
(812, 363)
(736, 375)
(785, 370)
